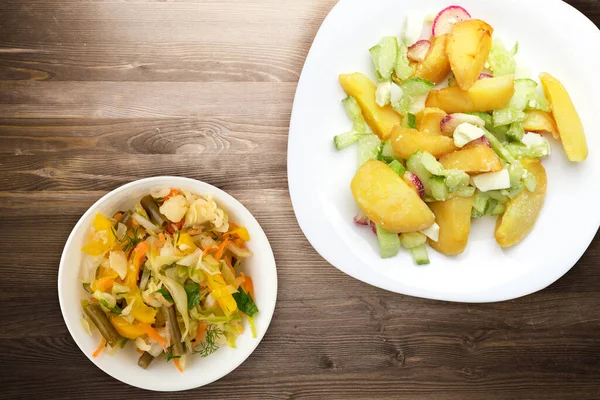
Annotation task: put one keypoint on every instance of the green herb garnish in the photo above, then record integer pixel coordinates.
(165, 294)
(209, 346)
(116, 309)
(245, 303)
(169, 356)
(193, 295)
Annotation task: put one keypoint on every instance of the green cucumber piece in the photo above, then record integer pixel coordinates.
(519, 150)
(355, 114)
(499, 148)
(410, 121)
(346, 139)
(397, 167)
(516, 132)
(487, 118)
(466, 191)
(402, 69)
(368, 148)
(412, 239)
(416, 86)
(439, 190)
(420, 255)
(387, 154)
(515, 171)
(480, 205)
(492, 204)
(498, 210)
(389, 243)
(530, 182)
(384, 56)
(502, 61)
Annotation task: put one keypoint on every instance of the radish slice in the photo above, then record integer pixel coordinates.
(373, 227)
(446, 19)
(450, 122)
(413, 181)
(419, 50)
(482, 141)
(485, 76)
(361, 219)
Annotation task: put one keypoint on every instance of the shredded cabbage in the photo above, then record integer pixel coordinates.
(89, 266)
(118, 262)
(180, 298)
(174, 208)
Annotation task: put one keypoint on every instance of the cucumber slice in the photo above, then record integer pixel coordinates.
(403, 70)
(397, 167)
(498, 210)
(410, 121)
(514, 191)
(412, 239)
(530, 182)
(499, 148)
(387, 154)
(491, 206)
(384, 56)
(502, 61)
(456, 180)
(416, 86)
(516, 172)
(347, 139)
(518, 150)
(355, 114)
(368, 148)
(515, 132)
(467, 191)
(420, 255)
(480, 205)
(389, 243)
(439, 190)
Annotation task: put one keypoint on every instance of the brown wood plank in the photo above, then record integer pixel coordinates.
(95, 94)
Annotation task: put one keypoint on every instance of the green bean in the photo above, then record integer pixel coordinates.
(99, 318)
(173, 327)
(153, 211)
(145, 360)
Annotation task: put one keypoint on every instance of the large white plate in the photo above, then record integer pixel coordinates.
(163, 376)
(553, 37)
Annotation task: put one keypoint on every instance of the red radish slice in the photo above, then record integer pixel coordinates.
(373, 227)
(413, 181)
(450, 122)
(418, 51)
(446, 19)
(482, 141)
(361, 219)
(485, 76)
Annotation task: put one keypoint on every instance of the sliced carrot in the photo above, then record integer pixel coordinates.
(138, 253)
(118, 216)
(162, 238)
(141, 249)
(221, 249)
(152, 334)
(99, 349)
(207, 250)
(103, 284)
(178, 364)
(200, 333)
(248, 286)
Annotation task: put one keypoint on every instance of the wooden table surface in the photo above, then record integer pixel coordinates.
(95, 94)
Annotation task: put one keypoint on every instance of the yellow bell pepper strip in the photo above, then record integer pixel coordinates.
(153, 334)
(241, 232)
(140, 310)
(125, 329)
(99, 246)
(186, 240)
(97, 352)
(218, 289)
(138, 254)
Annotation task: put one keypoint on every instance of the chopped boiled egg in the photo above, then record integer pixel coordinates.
(433, 232)
(492, 181)
(465, 133)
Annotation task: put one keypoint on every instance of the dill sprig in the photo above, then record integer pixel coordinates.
(129, 241)
(209, 346)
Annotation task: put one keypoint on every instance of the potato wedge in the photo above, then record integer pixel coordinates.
(436, 66)
(475, 159)
(388, 201)
(540, 122)
(522, 211)
(406, 141)
(468, 48)
(380, 119)
(567, 120)
(485, 95)
(429, 121)
(454, 218)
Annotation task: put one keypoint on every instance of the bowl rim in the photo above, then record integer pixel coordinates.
(230, 202)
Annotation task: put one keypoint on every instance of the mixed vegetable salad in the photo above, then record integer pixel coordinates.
(452, 130)
(166, 276)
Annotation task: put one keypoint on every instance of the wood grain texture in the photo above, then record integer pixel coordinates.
(94, 94)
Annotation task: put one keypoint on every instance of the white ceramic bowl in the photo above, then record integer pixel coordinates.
(161, 375)
(553, 37)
